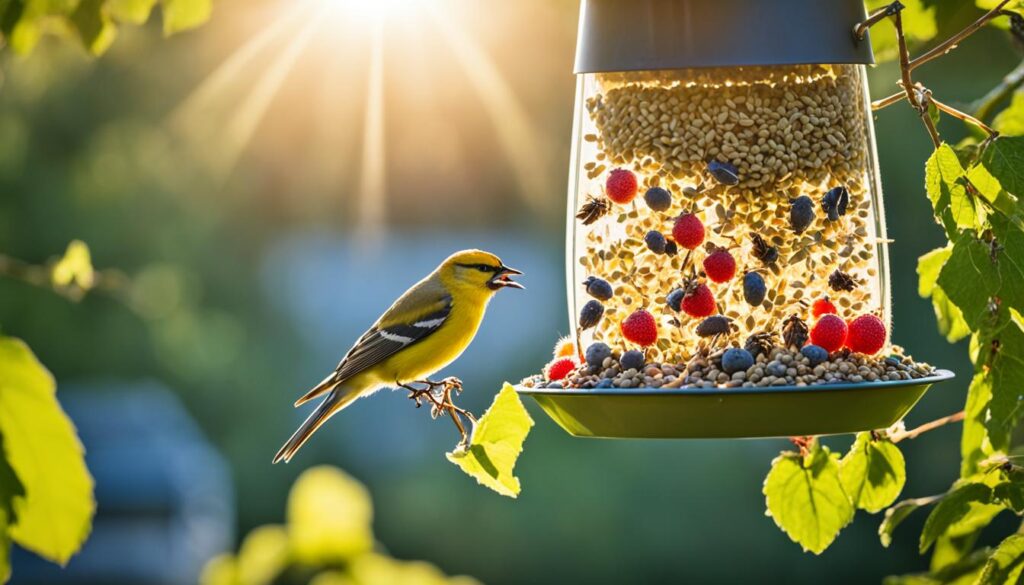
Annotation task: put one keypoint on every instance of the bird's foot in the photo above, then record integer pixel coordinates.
(439, 395)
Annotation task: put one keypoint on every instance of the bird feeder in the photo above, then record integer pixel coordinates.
(724, 167)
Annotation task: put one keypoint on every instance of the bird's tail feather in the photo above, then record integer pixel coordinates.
(337, 400)
(326, 385)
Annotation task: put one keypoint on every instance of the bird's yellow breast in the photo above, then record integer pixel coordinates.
(425, 358)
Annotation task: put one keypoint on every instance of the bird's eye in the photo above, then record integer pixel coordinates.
(483, 268)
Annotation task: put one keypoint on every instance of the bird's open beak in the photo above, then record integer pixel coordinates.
(501, 279)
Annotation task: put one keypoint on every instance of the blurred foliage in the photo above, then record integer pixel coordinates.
(496, 444)
(93, 22)
(46, 492)
(328, 540)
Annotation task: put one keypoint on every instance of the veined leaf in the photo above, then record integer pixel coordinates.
(329, 516)
(950, 318)
(945, 182)
(974, 441)
(1006, 563)
(1007, 375)
(896, 515)
(962, 572)
(873, 473)
(970, 277)
(55, 516)
(1004, 159)
(805, 497)
(497, 443)
(955, 507)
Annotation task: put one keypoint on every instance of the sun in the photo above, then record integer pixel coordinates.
(361, 12)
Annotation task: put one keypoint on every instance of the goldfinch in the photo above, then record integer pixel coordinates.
(426, 329)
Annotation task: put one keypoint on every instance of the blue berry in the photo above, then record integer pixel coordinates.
(658, 199)
(655, 241)
(815, 353)
(835, 202)
(754, 289)
(777, 369)
(801, 213)
(736, 359)
(598, 288)
(671, 248)
(596, 354)
(724, 172)
(675, 299)
(590, 314)
(632, 360)
(604, 383)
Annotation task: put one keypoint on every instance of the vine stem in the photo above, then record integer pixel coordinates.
(983, 108)
(928, 426)
(908, 82)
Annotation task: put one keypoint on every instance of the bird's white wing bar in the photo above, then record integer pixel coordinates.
(380, 343)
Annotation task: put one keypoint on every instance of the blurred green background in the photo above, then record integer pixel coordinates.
(271, 181)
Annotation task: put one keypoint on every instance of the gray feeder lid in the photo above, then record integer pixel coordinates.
(632, 35)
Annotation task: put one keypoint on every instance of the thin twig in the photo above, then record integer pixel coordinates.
(952, 42)
(916, 431)
(908, 83)
(963, 116)
(886, 102)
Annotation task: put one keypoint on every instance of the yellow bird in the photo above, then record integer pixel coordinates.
(426, 329)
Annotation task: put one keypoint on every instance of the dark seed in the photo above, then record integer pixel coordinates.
(714, 325)
(655, 241)
(724, 172)
(598, 288)
(801, 213)
(591, 314)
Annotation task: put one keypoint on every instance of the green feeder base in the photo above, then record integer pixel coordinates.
(714, 413)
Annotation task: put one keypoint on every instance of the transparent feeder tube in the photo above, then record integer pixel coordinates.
(790, 131)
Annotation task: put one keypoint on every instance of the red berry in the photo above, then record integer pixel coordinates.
(640, 328)
(621, 186)
(688, 231)
(699, 302)
(720, 266)
(829, 332)
(821, 307)
(560, 368)
(866, 335)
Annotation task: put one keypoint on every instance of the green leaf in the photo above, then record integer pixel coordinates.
(1004, 159)
(75, 267)
(945, 182)
(805, 497)
(954, 508)
(1011, 494)
(950, 319)
(182, 15)
(970, 277)
(1010, 121)
(95, 27)
(329, 517)
(962, 572)
(1006, 371)
(131, 11)
(896, 515)
(919, 26)
(992, 190)
(974, 441)
(497, 443)
(55, 517)
(1006, 563)
(873, 473)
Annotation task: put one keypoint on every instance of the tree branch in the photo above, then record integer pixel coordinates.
(908, 83)
(952, 42)
(916, 431)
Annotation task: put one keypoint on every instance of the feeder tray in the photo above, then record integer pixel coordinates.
(714, 413)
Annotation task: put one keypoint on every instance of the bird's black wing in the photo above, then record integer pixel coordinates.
(384, 341)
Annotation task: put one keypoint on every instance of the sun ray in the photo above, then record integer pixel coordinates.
(525, 147)
(372, 188)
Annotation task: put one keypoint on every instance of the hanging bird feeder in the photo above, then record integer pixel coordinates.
(727, 257)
